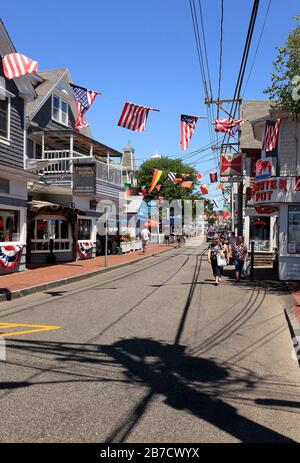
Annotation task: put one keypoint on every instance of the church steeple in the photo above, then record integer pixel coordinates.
(128, 160)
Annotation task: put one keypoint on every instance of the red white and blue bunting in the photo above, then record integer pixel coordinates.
(85, 249)
(10, 255)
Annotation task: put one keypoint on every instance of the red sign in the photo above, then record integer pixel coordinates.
(264, 210)
(297, 184)
(231, 164)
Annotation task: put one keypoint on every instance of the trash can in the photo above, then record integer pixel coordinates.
(118, 250)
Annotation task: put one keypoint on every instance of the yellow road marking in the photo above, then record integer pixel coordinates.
(35, 328)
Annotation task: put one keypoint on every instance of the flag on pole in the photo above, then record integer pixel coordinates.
(172, 176)
(271, 134)
(213, 177)
(16, 65)
(187, 184)
(84, 99)
(227, 125)
(134, 117)
(204, 189)
(187, 127)
(155, 178)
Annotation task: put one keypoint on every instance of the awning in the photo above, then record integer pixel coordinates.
(37, 206)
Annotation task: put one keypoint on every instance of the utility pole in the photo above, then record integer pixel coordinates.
(232, 146)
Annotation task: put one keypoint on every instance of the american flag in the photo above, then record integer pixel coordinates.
(271, 134)
(172, 176)
(16, 65)
(187, 127)
(84, 99)
(134, 117)
(228, 125)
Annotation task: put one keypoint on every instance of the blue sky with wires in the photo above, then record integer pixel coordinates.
(145, 52)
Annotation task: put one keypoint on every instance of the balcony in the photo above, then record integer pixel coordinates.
(59, 149)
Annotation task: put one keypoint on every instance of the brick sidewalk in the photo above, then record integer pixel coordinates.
(54, 273)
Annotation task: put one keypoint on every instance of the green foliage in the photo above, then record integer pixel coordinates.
(169, 190)
(284, 90)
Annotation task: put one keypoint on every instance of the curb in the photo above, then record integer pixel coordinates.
(292, 315)
(9, 296)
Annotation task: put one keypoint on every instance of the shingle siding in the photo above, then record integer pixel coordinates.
(44, 117)
(13, 153)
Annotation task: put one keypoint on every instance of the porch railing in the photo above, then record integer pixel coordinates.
(63, 166)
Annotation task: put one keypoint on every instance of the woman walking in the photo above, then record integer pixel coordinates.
(217, 257)
(239, 255)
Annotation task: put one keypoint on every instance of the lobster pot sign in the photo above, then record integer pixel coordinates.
(85, 249)
(10, 256)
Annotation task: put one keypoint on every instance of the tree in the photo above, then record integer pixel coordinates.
(169, 190)
(285, 87)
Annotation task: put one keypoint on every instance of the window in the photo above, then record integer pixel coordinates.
(9, 225)
(4, 118)
(260, 233)
(47, 229)
(84, 229)
(294, 230)
(60, 110)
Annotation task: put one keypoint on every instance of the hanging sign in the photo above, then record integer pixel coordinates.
(231, 164)
(84, 179)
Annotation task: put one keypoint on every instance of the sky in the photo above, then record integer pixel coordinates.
(144, 51)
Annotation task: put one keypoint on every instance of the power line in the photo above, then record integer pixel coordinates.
(259, 40)
(221, 53)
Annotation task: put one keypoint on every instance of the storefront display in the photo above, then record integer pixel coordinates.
(9, 223)
(294, 230)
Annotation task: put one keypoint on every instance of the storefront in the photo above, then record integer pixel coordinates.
(261, 226)
(284, 194)
(13, 210)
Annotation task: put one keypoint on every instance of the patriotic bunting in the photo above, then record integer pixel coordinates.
(156, 176)
(84, 99)
(10, 256)
(16, 65)
(134, 117)
(187, 127)
(85, 249)
(271, 135)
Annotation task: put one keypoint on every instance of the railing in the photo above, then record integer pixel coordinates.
(63, 164)
(105, 172)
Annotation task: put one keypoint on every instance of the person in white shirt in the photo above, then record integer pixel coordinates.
(145, 235)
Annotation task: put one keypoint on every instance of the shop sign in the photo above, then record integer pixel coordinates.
(231, 164)
(84, 179)
(275, 190)
(263, 169)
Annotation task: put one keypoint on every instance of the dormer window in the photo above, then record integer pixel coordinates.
(60, 110)
(4, 118)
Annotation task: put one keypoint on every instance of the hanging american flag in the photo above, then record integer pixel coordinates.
(84, 99)
(228, 125)
(187, 127)
(271, 134)
(172, 176)
(134, 117)
(16, 65)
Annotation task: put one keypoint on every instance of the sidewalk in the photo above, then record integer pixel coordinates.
(44, 277)
(292, 314)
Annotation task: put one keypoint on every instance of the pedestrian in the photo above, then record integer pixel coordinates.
(145, 235)
(239, 256)
(231, 243)
(216, 256)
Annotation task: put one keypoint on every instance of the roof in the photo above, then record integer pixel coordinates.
(47, 83)
(62, 137)
(250, 110)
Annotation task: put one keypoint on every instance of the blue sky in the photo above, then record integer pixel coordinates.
(144, 52)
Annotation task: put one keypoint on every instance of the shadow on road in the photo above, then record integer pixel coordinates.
(195, 385)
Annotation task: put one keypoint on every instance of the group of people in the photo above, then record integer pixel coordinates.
(227, 251)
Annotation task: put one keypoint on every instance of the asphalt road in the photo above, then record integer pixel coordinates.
(153, 352)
